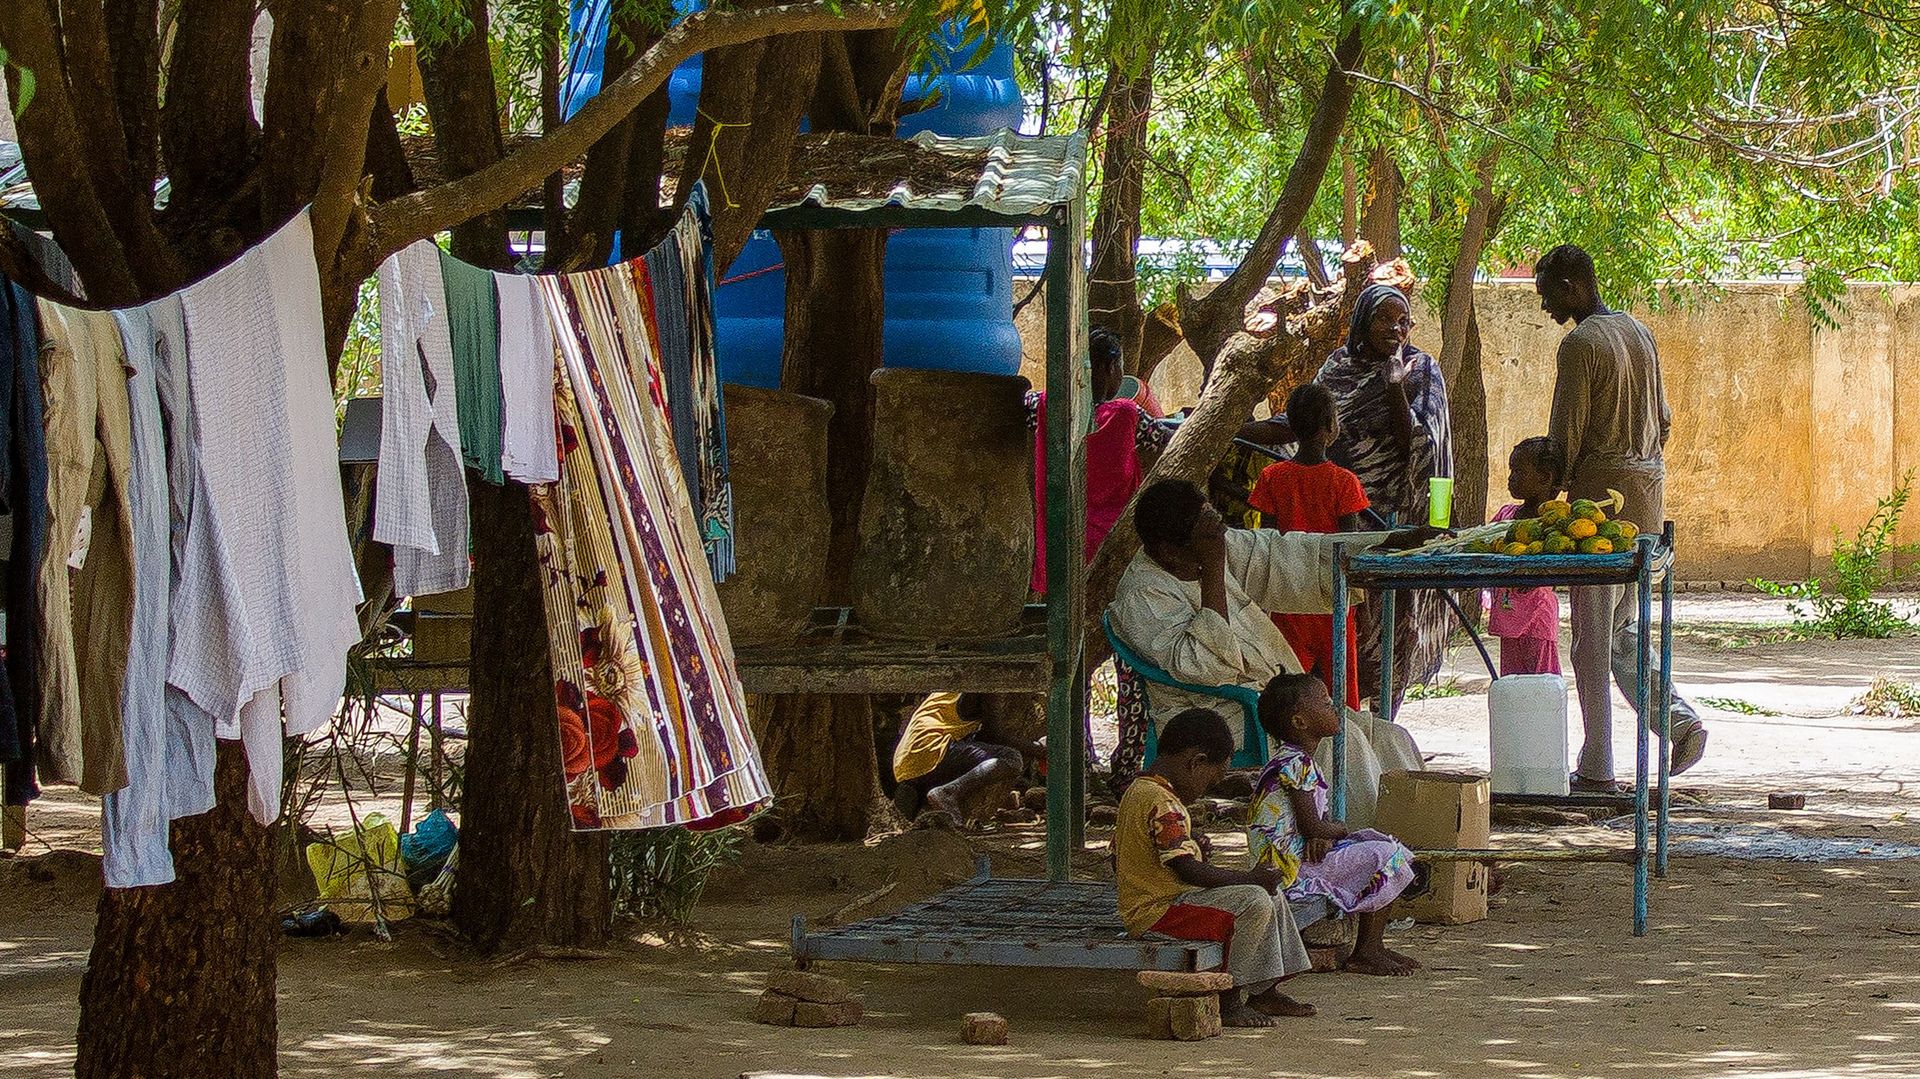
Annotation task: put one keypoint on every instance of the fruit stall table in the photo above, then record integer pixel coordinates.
(1648, 564)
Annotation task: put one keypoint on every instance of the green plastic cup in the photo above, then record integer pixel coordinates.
(1440, 502)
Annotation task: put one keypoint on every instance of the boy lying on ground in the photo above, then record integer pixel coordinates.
(1166, 886)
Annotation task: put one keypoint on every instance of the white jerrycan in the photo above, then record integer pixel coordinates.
(1528, 718)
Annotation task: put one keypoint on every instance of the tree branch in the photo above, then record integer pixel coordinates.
(207, 127)
(53, 146)
(133, 39)
(1466, 261)
(1208, 321)
(406, 220)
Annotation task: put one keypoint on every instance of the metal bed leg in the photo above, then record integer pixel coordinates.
(1077, 823)
(1385, 598)
(1339, 665)
(1667, 697)
(1642, 724)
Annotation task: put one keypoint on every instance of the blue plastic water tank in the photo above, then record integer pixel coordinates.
(949, 303)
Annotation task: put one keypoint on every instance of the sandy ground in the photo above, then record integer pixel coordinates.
(1752, 970)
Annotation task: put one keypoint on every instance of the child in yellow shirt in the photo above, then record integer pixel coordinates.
(1166, 885)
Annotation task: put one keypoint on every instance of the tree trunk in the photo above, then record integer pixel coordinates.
(1113, 284)
(1380, 221)
(821, 756)
(181, 979)
(819, 751)
(1467, 400)
(1460, 347)
(526, 878)
(759, 92)
(1247, 367)
(457, 80)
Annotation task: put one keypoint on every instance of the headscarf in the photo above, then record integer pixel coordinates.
(1370, 300)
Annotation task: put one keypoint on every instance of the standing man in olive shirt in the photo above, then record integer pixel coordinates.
(1610, 416)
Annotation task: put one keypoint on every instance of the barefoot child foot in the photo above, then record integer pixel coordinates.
(1274, 1002)
(1236, 1012)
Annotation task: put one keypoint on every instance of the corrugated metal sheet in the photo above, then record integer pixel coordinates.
(1023, 176)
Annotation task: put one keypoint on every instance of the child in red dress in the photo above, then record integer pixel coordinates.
(1312, 494)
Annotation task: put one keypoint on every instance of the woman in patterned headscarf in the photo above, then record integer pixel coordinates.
(1395, 434)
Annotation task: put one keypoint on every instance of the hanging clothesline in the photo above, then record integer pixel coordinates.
(477, 345)
(633, 514)
(180, 569)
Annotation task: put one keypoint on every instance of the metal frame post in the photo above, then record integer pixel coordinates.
(1069, 418)
(1385, 597)
(1339, 665)
(1642, 724)
(1388, 599)
(1666, 706)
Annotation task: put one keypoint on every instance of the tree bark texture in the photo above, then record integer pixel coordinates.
(1113, 283)
(526, 878)
(752, 99)
(180, 984)
(819, 751)
(820, 755)
(1460, 348)
(456, 78)
(1380, 221)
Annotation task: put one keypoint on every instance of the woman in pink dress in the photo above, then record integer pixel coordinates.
(1121, 447)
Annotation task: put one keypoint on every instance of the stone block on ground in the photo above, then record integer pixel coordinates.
(775, 1009)
(1329, 959)
(1184, 1019)
(1179, 983)
(1330, 932)
(1034, 798)
(808, 986)
(1103, 816)
(845, 1014)
(983, 1028)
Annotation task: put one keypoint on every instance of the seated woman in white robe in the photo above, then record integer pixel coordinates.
(1195, 602)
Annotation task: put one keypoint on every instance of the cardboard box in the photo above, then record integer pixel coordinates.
(1440, 811)
(1451, 893)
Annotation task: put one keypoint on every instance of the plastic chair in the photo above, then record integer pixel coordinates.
(1253, 748)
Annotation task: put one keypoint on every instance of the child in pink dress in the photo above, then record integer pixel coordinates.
(1527, 620)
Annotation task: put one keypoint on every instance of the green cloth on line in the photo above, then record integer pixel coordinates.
(473, 320)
